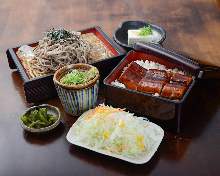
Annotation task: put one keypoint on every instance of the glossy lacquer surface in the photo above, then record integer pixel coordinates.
(192, 26)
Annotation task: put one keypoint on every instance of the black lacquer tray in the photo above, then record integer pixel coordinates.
(42, 88)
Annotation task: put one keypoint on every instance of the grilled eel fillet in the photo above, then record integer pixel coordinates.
(169, 85)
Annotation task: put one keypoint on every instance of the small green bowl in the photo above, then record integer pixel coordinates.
(51, 110)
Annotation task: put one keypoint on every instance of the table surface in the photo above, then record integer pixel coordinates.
(192, 26)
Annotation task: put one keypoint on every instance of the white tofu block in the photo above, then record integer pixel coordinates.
(134, 37)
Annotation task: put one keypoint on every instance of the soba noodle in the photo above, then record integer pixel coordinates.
(60, 47)
(53, 53)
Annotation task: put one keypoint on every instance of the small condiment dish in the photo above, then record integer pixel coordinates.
(121, 33)
(51, 110)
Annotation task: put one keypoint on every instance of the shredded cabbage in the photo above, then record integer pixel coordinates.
(115, 131)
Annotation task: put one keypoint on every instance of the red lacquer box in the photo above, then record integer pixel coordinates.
(155, 107)
(42, 88)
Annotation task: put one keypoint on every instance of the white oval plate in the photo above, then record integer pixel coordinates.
(140, 160)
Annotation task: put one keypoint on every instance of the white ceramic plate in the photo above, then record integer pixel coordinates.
(140, 160)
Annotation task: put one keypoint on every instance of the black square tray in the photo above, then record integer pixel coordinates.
(42, 88)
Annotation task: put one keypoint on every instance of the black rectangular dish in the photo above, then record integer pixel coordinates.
(42, 88)
(156, 107)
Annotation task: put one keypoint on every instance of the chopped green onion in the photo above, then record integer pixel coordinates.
(146, 30)
(78, 76)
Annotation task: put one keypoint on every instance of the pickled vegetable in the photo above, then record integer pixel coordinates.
(38, 118)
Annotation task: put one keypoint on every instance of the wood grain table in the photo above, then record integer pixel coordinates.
(193, 26)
